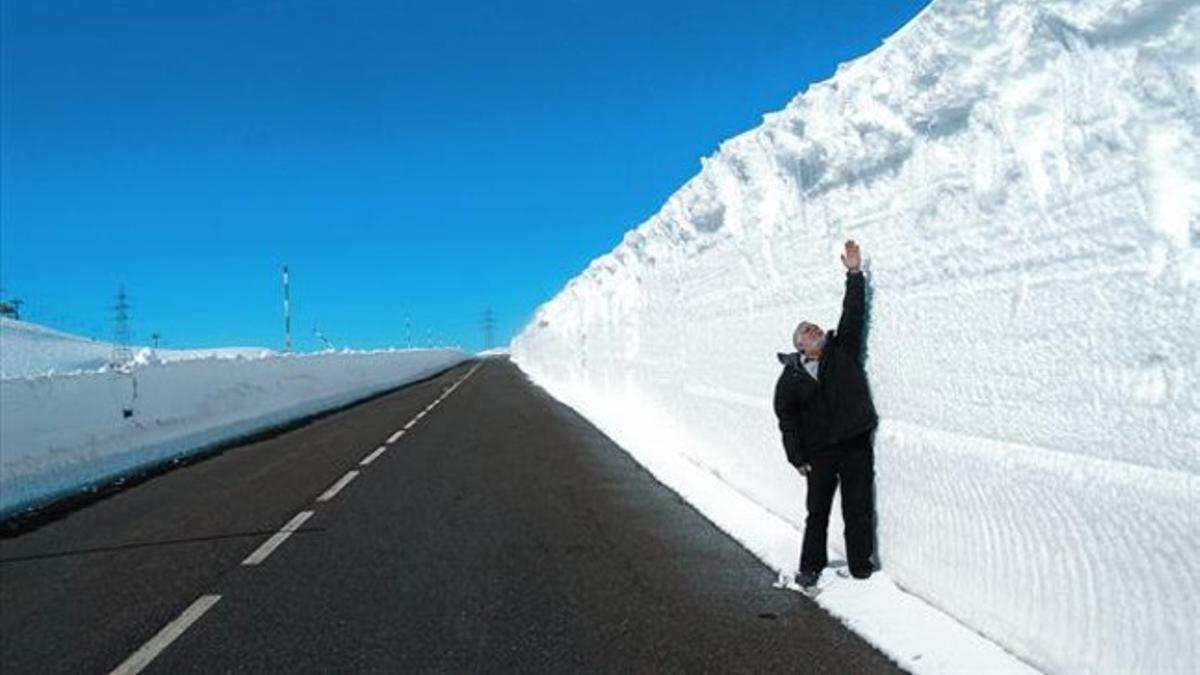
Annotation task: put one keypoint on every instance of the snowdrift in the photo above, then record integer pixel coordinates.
(1025, 181)
(59, 433)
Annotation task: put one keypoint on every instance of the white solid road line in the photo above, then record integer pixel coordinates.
(142, 657)
(337, 487)
(373, 456)
(278, 538)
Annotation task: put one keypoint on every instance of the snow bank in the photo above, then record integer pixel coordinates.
(1025, 179)
(59, 433)
(27, 349)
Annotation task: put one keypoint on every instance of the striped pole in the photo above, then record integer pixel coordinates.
(287, 312)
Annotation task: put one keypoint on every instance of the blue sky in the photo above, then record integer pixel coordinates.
(406, 160)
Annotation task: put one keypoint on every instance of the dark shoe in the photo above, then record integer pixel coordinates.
(808, 578)
(861, 572)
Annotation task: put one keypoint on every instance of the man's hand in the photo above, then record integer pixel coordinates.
(852, 258)
(804, 469)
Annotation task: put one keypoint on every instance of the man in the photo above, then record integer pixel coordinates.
(827, 419)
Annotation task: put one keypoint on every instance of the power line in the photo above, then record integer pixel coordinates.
(489, 328)
(121, 354)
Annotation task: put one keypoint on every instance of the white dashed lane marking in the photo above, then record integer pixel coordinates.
(337, 487)
(419, 416)
(260, 554)
(373, 456)
(169, 633)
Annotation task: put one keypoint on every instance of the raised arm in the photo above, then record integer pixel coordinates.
(854, 303)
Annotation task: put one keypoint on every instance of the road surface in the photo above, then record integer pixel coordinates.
(499, 533)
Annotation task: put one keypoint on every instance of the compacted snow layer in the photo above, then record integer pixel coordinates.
(1024, 178)
(59, 433)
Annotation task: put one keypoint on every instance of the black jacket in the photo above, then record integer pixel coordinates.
(814, 415)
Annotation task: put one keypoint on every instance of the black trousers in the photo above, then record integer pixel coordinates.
(852, 462)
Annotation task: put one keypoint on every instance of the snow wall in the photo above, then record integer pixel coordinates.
(61, 433)
(1024, 179)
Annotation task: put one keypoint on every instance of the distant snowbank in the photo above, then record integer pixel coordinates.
(27, 349)
(1025, 179)
(63, 432)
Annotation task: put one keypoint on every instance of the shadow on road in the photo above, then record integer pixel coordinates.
(150, 544)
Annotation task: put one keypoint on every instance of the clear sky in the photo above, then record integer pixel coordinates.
(419, 160)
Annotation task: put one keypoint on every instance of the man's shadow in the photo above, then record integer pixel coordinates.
(868, 297)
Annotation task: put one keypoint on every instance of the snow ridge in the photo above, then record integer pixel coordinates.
(1025, 179)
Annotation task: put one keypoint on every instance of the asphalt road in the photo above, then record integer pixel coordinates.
(500, 533)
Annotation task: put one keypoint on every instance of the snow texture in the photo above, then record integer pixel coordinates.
(1024, 178)
(27, 349)
(494, 352)
(60, 433)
